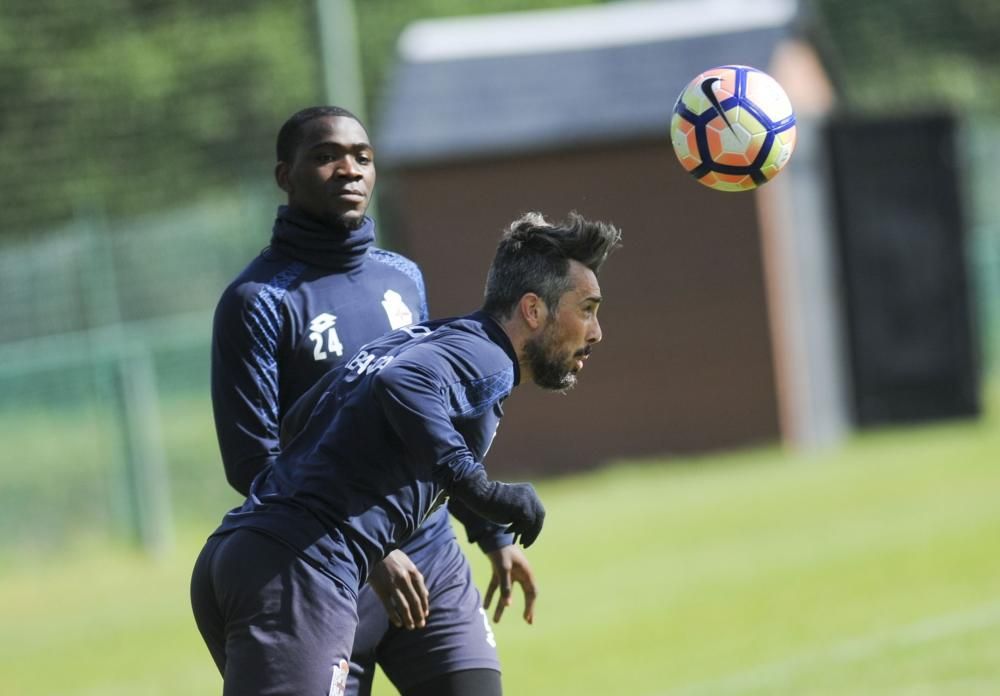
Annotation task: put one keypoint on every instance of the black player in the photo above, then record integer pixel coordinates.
(304, 306)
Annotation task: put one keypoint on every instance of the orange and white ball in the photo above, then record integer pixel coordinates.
(733, 128)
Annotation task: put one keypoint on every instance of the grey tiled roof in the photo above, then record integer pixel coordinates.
(467, 107)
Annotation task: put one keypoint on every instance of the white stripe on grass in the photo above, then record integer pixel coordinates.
(774, 673)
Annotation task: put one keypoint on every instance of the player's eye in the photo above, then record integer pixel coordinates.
(364, 159)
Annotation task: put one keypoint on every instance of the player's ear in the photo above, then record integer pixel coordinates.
(281, 171)
(533, 310)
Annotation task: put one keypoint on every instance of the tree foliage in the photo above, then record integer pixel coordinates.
(128, 106)
(901, 55)
(132, 105)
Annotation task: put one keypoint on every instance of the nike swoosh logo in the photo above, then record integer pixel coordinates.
(707, 89)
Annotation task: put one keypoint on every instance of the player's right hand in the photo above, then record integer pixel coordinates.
(510, 565)
(400, 586)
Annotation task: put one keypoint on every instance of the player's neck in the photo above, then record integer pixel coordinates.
(519, 334)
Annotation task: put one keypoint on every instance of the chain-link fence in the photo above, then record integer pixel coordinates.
(104, 367)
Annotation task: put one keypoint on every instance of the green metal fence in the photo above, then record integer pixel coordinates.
(104, 355)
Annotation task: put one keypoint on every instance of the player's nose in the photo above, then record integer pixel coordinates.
(348, 168)
(595, 335)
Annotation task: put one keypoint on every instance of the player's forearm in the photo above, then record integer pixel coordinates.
(247, 432)
(247, 440)
(490, 536)
(514, 504)
(244, 393)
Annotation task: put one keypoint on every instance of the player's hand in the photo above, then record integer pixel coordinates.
(524, 507)
(510, 565)
(400, 586)
(516, 505)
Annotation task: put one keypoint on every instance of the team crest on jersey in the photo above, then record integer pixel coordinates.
(397, 311)
(323, 334)
(338, 685)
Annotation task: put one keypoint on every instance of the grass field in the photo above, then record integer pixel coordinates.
(872, 569)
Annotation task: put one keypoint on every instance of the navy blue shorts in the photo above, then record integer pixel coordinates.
(457, 636)
(274, 624)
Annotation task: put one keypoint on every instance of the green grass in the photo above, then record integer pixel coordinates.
(869, 569)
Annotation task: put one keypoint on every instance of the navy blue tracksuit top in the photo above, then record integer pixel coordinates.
(390, 432)
(304, 306)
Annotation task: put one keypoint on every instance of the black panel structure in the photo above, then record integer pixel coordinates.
(904, 272)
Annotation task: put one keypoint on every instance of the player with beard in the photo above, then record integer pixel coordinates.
(375, 448)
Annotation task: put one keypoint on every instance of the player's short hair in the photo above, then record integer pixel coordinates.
(533, 256)
(290, 135)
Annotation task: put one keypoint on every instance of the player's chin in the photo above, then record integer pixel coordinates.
(552, 382)
(350, 219)
(572, 370)
(567, 382)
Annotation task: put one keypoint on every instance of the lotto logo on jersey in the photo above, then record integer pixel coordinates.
(338, 684)
(323, 334)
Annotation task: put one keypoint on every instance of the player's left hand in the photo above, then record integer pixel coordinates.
(400, 586)
(511, 565)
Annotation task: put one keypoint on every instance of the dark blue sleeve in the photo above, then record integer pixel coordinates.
(245, 335)
(490, 536)
(411, 396)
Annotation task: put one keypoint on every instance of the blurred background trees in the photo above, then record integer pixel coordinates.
(911, 54)
(137, 105)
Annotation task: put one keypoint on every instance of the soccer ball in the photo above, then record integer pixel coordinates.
(733, 128)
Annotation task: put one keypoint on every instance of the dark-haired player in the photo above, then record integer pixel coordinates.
(406, 422)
